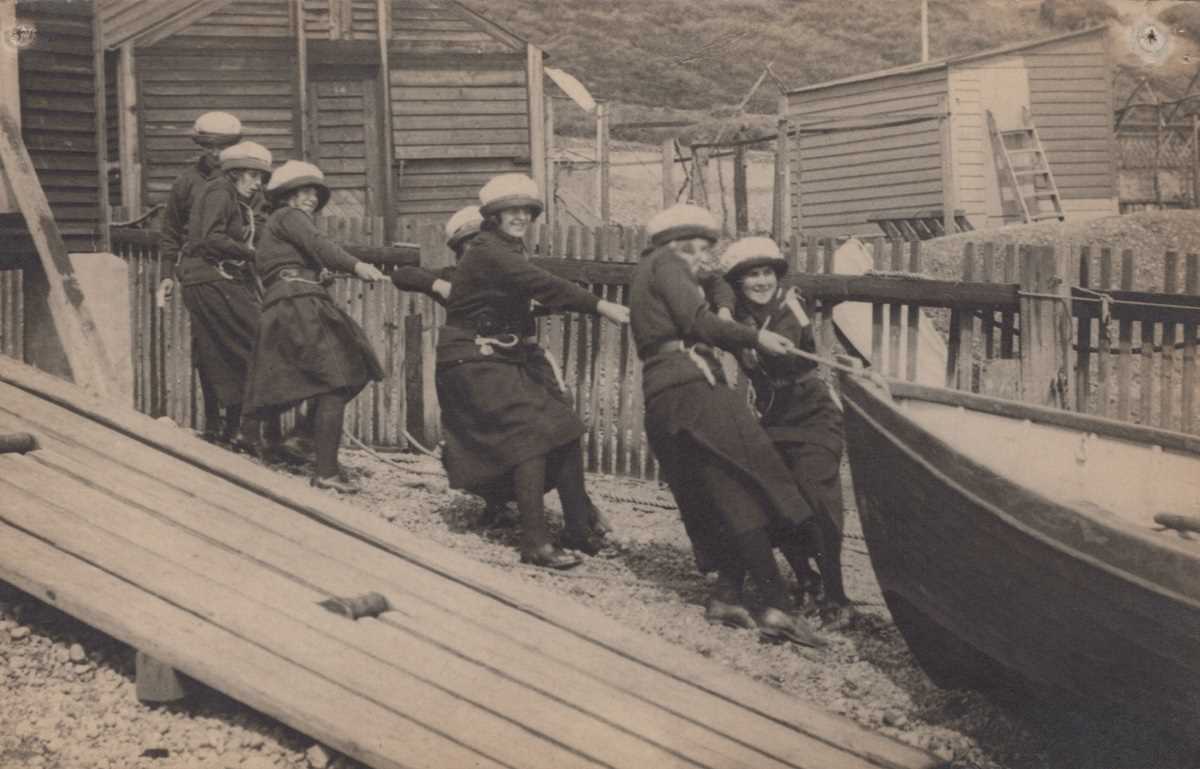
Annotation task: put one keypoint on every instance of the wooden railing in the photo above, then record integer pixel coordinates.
(1143, 370)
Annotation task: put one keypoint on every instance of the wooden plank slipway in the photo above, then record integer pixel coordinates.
(215, 566)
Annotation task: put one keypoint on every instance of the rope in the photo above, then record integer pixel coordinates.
(372, 452)
(1103, 298)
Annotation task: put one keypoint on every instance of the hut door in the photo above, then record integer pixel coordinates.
(345, 139)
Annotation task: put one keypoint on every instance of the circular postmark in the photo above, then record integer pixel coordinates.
(1151, 40)
(21, 35)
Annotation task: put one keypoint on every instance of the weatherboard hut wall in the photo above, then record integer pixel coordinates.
(251, 75)
(1071, 101)
(58, 125)
(841, 179)
(460, 109)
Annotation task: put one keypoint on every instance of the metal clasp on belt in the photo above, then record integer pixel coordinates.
(238, 266)
(324, 277)
(487, 344)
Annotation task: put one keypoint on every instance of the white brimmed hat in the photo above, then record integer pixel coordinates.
(751, 252)
(510, 191)
(250, 155)
(218, 129)
(463, 224)
(682, 221)
(293, 175)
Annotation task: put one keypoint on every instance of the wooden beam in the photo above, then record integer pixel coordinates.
(949, 180)
(10, 93)
(128, 110)
(779, 195)
(101, 118)
(303, 131)
(741, 205)
(91, 367)
(551, 220)
(1045, 367)
(602, 162)
(667, 154)
(178, 18)
(535, 79)
(383, 16)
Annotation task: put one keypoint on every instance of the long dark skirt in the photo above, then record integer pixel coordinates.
(817, 472)
(307, 346)
(495, 415)
(224, 316)
(725, 474)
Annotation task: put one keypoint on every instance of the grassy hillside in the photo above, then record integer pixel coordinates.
(704, 55)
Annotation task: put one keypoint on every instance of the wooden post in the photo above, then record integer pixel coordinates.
(779, 196)
(949, 182)
(98, 64)
(76, 329)
(699, 192)
(551, 220)
(128, 106)
(156, 681)
(668, 173)
(535, 77)
(741, 207)
(383, 15)
(10, 94)
(1195, 161)
(602, 161)
(1046, 370)
(303, 132)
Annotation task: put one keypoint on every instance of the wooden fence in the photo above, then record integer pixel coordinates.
(1142, 368)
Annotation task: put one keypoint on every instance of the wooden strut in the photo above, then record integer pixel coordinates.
(90, 364)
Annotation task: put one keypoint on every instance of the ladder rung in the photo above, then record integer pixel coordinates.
(1021, 150)
(1042, 172)
(1059, 217)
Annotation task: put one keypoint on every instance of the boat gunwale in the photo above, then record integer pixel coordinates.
(1072, 420)
(916, 392)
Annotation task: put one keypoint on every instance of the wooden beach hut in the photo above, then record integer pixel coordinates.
(406, 125)
(915, 139)
(49, 89)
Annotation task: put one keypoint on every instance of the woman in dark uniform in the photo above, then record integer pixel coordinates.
(218, 290)
(733, 490)
(307, 346)
(213, 132)
(506, 427)
(461, 228)
(796, 407)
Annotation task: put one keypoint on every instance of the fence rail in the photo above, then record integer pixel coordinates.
(1133, 357)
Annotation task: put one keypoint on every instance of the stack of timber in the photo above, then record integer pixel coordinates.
(217, 566)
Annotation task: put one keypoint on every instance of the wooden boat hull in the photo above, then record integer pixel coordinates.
(988, 579)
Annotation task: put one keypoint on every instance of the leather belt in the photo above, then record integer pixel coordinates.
(695, 353)
(677, 345)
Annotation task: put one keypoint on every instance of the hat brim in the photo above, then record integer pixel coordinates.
(216, 140)
(736, 271)
(684, 231)
(280, 194)
(512, 201)
(461, 234)
(246, 164)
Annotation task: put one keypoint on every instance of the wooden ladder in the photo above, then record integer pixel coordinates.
(1027, 186)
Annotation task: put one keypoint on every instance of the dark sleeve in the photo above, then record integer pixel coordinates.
(174, 229)
(214, 211)
(674, 284)
(296, 228)
(421, 280)
(719, 292)
(532, 282)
